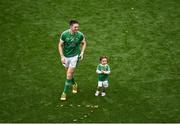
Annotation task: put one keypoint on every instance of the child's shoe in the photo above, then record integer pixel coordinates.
(103, 94)
(97, 93)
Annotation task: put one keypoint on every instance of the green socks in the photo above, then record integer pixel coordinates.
(68, 83)
(73, 81)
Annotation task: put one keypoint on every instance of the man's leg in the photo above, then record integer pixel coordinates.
(74, 86)
(73, 80)
(68, 83)
(73, 64)
(69, 75)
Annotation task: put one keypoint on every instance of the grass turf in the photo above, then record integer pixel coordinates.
(141, 39)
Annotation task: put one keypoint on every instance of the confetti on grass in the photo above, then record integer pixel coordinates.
(96, 106)
(87, 106)
(90, 110)
(85, 116)
(74, 120)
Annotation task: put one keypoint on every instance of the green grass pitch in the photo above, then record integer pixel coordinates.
(141, 38)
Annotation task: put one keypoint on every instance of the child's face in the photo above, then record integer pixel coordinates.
(104, 61)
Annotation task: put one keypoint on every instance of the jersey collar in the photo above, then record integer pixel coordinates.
(103, 65)
(71, 32)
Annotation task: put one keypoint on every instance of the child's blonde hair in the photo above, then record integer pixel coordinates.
(102, 57)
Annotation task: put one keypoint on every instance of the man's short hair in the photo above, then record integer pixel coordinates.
(71, 22)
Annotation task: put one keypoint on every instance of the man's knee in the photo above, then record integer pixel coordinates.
(70, 74)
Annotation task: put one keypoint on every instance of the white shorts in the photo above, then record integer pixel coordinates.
(71, 61)
(103, 84)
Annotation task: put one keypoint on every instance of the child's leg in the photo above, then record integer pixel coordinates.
(103, 89)
(99, 88)
(98, 91)
(103, 93)
(105, 85)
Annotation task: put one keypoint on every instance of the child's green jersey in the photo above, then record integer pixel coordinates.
(100, 68)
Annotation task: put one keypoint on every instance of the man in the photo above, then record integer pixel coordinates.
(71, 48)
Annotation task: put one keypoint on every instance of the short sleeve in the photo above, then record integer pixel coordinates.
(62, 37)
(82, 37)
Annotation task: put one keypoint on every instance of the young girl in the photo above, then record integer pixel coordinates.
(103, 71)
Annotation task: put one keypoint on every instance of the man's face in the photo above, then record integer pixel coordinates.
(74, 27)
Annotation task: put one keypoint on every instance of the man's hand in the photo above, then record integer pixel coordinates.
(62, 60)
(81, 56)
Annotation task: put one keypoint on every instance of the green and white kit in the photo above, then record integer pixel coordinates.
(71, 47)
(103, 79)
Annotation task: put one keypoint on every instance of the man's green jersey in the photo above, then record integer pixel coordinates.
(71, 43)
(103, 77)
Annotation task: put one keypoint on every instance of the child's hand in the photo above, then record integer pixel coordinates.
(103, 72)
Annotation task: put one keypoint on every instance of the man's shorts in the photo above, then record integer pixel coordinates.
(70, 61)
(103, 84)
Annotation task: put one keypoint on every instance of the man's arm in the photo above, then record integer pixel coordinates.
(83, 43)
(60, 47)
